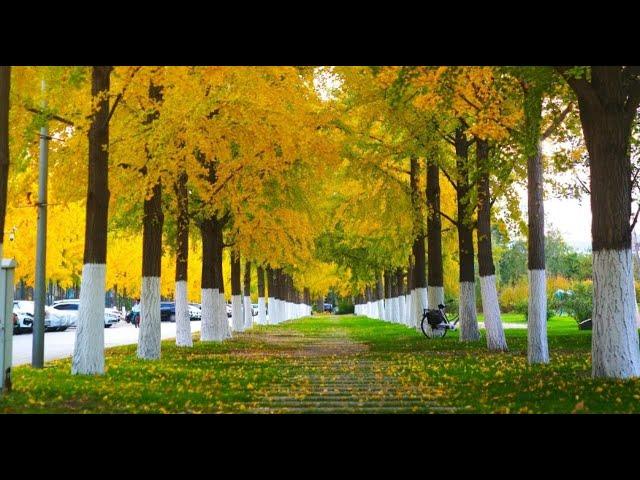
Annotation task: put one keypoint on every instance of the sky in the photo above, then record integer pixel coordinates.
(571, 217)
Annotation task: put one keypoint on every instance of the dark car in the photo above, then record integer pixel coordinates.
(167, 313)
(328, 307)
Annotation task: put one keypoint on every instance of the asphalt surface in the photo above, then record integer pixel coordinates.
(60, 344)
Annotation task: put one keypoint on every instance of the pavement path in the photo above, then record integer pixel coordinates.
(60, 344)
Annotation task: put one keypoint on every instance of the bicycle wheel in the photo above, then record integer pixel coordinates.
(424, 325)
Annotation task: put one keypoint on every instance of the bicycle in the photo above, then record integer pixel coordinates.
(436, 324)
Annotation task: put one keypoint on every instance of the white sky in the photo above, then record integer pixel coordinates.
(571, 217)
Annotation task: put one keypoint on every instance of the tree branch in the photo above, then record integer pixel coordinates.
(50, 116)
(556, 123)
(580, 86)
(635, 219)
(453, 184)
(441, 213)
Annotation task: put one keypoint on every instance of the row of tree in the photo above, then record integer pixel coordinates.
(482, 129)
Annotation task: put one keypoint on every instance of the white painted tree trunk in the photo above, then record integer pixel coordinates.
(615, 351)
(496, 341)
(420, 303)
(271, 305)
(208, 322)
(397, 309)
(150, 326)
(248, 313)
(224, 326)
(435, 296)
(412, 309)
(537, 346)
(262, 312)
(467, 313)
(237, 318)
(88, 352)
(183, 321)
(407, 310)
(381, 309)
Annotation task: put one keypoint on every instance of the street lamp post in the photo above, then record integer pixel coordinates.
(37, 355)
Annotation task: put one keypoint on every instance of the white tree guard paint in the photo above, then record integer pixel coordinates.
(88, 352)
(407, 309)
(183, 321)
(237, 318)
(412, 309)
(262, 312)
(496, 341)
(381, 309)
(435, 296)
(398, 309)
(420, 303)
(468, 322)
(224, 323)
(537, 345)
(150, 326)
(271, 305)
(208, 298)
(614, 348)
(247, 312)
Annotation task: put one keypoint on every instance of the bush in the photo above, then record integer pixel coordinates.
(513, 296)
(344, 307)
(580, 303)
(522, 307)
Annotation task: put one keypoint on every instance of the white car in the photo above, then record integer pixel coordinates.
(24, 315)
(195, 311)
(52, 320)
(69, 310)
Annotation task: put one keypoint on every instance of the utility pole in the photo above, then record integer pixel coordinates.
(37, 352)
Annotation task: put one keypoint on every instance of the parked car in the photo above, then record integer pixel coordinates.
(53, 320)
(195, 311)
(254, 309)
(22, 316)
(229, 310)
(69, 309)
(328, 307)
(167, 312)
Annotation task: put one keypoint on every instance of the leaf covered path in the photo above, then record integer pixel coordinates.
(329, 364)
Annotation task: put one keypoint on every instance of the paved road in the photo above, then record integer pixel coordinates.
(60, 344)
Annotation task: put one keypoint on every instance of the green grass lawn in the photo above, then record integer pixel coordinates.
(325, 364)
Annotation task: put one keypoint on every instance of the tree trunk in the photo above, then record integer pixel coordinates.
(262, 311)
(467, 304)
(5, 82)
(237, 319)
(183, 320)
(271, 300)
(435, 277)
(606, 116)
(496, 341)
(418, 250)
(88, 354)
(209, 292)
(537, 346)
(150, 326)
(223, 327)
(149, 334)
(247, 308)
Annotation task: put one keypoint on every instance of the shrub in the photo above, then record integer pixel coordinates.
(579, 304)
(523, 308)
(512, 296)
(344, 307)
